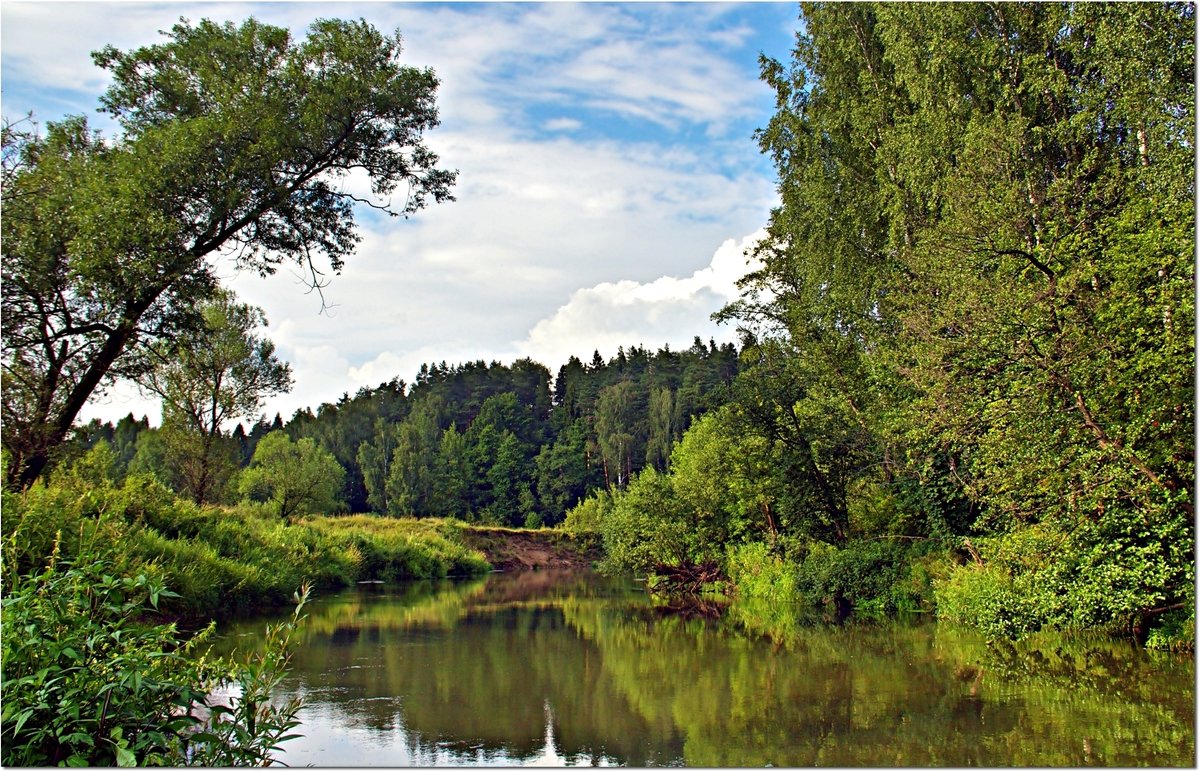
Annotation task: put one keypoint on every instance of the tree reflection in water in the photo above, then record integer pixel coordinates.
(546, 669)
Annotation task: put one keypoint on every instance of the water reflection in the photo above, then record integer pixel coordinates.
(560, 670)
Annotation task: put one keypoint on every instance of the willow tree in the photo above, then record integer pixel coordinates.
(235, 143)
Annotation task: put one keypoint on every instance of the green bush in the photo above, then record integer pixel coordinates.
(1174, 631)
(86, 683)
(757, 572)
(872, 578)
(1042, 577)
(589, 513)
(986, 597)
(644, 527)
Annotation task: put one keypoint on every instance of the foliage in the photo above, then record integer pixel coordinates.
(219, 560)
(645, 527)
(873, 578)
(217, 373)
(587, 515)
(1039, 576)
(233, 139)
(251, 727)
(988, 599)
(730, 482)
(974, 311)
(391, 548)
(86, 683)
(755, 572)
(296, 477)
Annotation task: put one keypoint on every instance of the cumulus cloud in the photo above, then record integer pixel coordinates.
(668, 310)
(599, 146)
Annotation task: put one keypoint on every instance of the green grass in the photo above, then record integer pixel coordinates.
(224, 560)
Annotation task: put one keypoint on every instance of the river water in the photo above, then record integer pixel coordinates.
(550, 669)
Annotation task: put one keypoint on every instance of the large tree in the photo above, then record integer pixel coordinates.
(234, 142)
(984, 258)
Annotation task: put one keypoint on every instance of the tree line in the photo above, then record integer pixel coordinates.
(483, 442)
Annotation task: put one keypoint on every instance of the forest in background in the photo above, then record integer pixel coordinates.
(482, 442)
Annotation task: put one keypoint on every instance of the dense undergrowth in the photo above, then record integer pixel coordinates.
(220, 561)
(1008, 587)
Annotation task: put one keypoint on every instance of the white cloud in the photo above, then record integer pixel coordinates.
(668, 310)
(562, 124)
(542, 105)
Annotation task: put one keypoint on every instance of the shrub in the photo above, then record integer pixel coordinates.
(644, 528)
(589, 513)
(871, 577)
(86, 683)
(756, 572)
(986, 597)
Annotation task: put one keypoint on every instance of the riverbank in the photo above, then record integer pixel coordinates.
(517, 549)
(221, 561)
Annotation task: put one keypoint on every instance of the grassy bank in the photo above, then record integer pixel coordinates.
(221, 560)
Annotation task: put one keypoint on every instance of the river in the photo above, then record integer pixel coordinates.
(541, 668)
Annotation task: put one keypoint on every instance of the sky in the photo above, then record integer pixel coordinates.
(608, 179)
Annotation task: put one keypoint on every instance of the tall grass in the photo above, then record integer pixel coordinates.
(221, 561)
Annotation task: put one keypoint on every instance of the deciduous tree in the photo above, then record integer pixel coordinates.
(235, 142)
(297, 477)
(216, 374)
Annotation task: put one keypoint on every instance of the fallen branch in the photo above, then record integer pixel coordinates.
(686, 578)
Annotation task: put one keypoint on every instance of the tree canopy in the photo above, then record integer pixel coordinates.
(235, 142)
(980, 282)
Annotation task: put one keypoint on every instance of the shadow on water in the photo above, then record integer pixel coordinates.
(553, 668)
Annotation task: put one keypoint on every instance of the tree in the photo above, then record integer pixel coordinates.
(234, 141)
(453, 474)
(298, 477)
(617, 431)
(562, 474)
(208, 378)
(411, 475)
(981, 260)
(729, 481)
(375, 461)
(661, 431)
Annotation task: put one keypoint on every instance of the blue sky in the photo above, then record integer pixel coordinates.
(608, 178)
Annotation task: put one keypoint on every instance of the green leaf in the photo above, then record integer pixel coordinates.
(125, 757)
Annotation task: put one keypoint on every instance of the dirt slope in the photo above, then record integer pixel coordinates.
(512, 549)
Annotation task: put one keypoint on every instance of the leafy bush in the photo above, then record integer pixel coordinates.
(86, 683)
(756, 572)
(1104, 574)
(986, 597)
(871, 577)
(1175, 631)
(644, 528)
(589, 513)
